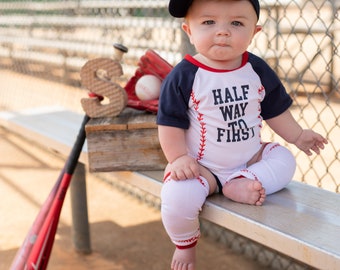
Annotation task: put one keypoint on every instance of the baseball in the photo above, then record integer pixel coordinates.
(148, 87)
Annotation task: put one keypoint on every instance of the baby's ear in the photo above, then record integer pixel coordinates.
(186, 29)
(258, 28)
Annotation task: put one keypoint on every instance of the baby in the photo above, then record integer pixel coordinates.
(210, 117)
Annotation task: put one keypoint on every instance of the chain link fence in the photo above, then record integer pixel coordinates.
(300, 39)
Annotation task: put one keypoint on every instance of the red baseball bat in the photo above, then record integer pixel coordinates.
(36, 248)
(41, 250)
(25, 249)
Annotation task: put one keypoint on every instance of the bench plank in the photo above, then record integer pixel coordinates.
(300, 221)
(51, 126)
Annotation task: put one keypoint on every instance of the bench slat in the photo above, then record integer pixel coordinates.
(53, 127)
(300, 221)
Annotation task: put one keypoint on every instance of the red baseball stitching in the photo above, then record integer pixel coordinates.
(261, 92)
(274, 146)
(247, 171)
(192, 239)
(203, 130)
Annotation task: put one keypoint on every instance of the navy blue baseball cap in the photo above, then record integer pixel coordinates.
(179, 8)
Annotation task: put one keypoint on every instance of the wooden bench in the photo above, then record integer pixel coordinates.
(301, 221)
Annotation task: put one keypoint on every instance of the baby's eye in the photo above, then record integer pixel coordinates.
(208, 22)
(236, 23)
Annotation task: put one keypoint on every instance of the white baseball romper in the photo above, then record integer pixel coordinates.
(221, 112)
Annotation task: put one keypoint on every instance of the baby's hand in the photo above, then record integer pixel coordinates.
(310, 140)
(184, 167)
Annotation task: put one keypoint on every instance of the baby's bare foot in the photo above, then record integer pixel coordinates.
(244, 190)
(184, 259)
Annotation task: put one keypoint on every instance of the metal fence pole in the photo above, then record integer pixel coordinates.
(80, 223)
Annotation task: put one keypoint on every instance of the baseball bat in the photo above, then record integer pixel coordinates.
(41, 250)
(26, 247)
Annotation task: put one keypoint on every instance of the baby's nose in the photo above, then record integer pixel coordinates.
(223, 30)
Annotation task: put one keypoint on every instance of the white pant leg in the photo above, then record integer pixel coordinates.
(275, 170)
(181, 203)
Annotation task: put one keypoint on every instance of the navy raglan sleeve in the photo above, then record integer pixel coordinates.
(174, 98)
(276, 99)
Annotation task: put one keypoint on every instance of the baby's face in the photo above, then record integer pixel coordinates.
(221, 31)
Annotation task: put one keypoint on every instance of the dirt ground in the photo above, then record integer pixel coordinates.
(125, 233)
